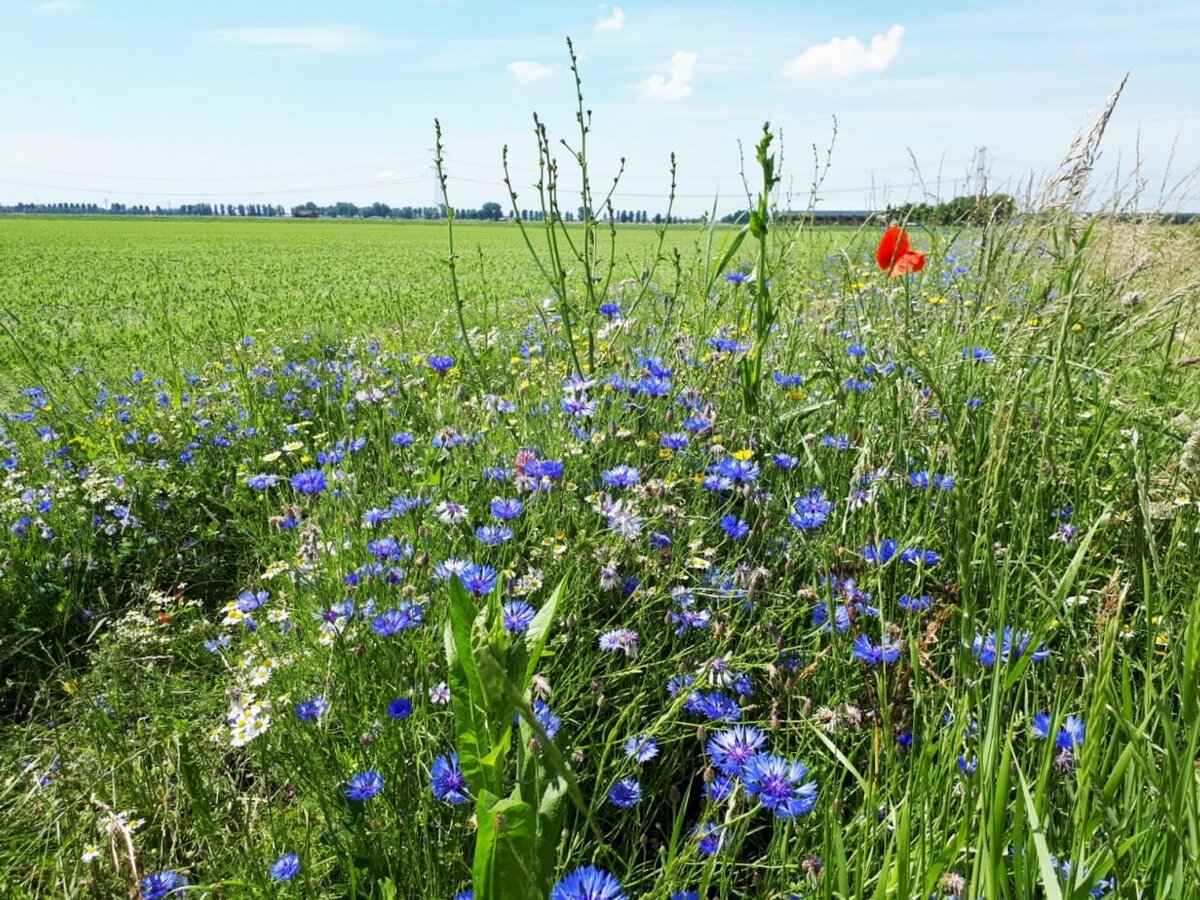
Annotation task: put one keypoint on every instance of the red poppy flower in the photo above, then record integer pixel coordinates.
(894, 254)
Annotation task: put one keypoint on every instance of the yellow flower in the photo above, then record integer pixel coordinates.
(272, 456)
(938, 301)
(743, 455)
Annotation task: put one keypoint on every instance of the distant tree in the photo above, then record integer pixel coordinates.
(491, 211)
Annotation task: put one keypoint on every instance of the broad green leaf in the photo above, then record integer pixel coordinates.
(504, 867)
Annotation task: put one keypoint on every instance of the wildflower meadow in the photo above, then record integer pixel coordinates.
(587, 561)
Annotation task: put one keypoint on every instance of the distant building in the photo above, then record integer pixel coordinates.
(301, 212)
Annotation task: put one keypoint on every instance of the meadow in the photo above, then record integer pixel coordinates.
(714, 564)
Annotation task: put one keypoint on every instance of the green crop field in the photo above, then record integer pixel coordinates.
(132, 292)
(768, 562)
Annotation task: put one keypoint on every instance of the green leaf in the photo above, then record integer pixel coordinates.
(726, 257)
(538, 633)
(468, 701)
(504, 868)
(1045, 863)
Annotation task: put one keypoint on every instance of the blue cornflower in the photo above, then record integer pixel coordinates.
(836, 441)
(400, 708)
(261, 482)
(689, 617)
(858, 351)
(544, 468)
(916, 604)
(625, 793)
(548, 720)
(441, 364)
(985, 647)
(387, 548)
(880, 553)
(653, 386)
(711, 836)
(858, 385)
(158, 885)
(919, 479)
(731, 750)
(727, 345)
(785, 461)
(1041, 725)
(493, 535)
(373, 517)
(403, 439)
(610, 311)
(579, 407)
(310, 481)
(919, 556)
(660, 540)
(736, 278)
(518, 616)
(286, 867)
(364, 785)
(312, 709)
(876, 654)
(979, 355)
(588, 883)
(967, 766)
(678, 683)
(1070, 736)
(448, 568)
(393, 621)
(468, 894)
(622, 477)
(944, 482)
(675, 441)
(641, 748)
(779, 785)
(734, 527)
(480, 579)
(506, 509)
(716, 706)
(447, 780)
(248, 601)
(622, 639)
(720, 788)
(739, 471)
(811, 510)
(216, 645)
(785, 379)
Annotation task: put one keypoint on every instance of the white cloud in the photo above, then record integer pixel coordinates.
(527, 72)
(56, 6)
(846, 57)
(615, 21)
(677, 83)
(304, 39)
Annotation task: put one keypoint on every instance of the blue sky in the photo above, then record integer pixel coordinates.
(284, 102)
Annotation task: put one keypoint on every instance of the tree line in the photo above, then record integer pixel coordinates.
(247, 210)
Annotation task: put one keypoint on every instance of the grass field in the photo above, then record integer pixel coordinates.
(735, 571)
(128, 292)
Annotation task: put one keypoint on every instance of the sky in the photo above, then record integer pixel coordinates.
(284, 102)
